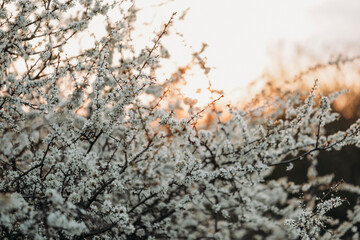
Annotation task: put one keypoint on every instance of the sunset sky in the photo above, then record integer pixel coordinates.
(245, 38)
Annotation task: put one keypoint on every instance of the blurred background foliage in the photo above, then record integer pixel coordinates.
(337, 73)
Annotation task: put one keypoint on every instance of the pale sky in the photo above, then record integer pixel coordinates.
(243, 36)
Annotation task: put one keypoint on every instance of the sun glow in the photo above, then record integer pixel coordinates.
(242, 37)
(237, 39)
(197, 87)
(247, 37)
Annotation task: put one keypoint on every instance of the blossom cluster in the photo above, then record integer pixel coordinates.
(84, 156)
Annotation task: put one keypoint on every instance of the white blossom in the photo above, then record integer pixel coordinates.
(84, 156)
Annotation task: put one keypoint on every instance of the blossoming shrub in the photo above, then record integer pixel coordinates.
(84, 156)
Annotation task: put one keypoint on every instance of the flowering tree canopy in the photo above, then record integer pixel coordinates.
(83, 155)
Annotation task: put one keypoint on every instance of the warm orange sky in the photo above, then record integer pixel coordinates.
(245, 35)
